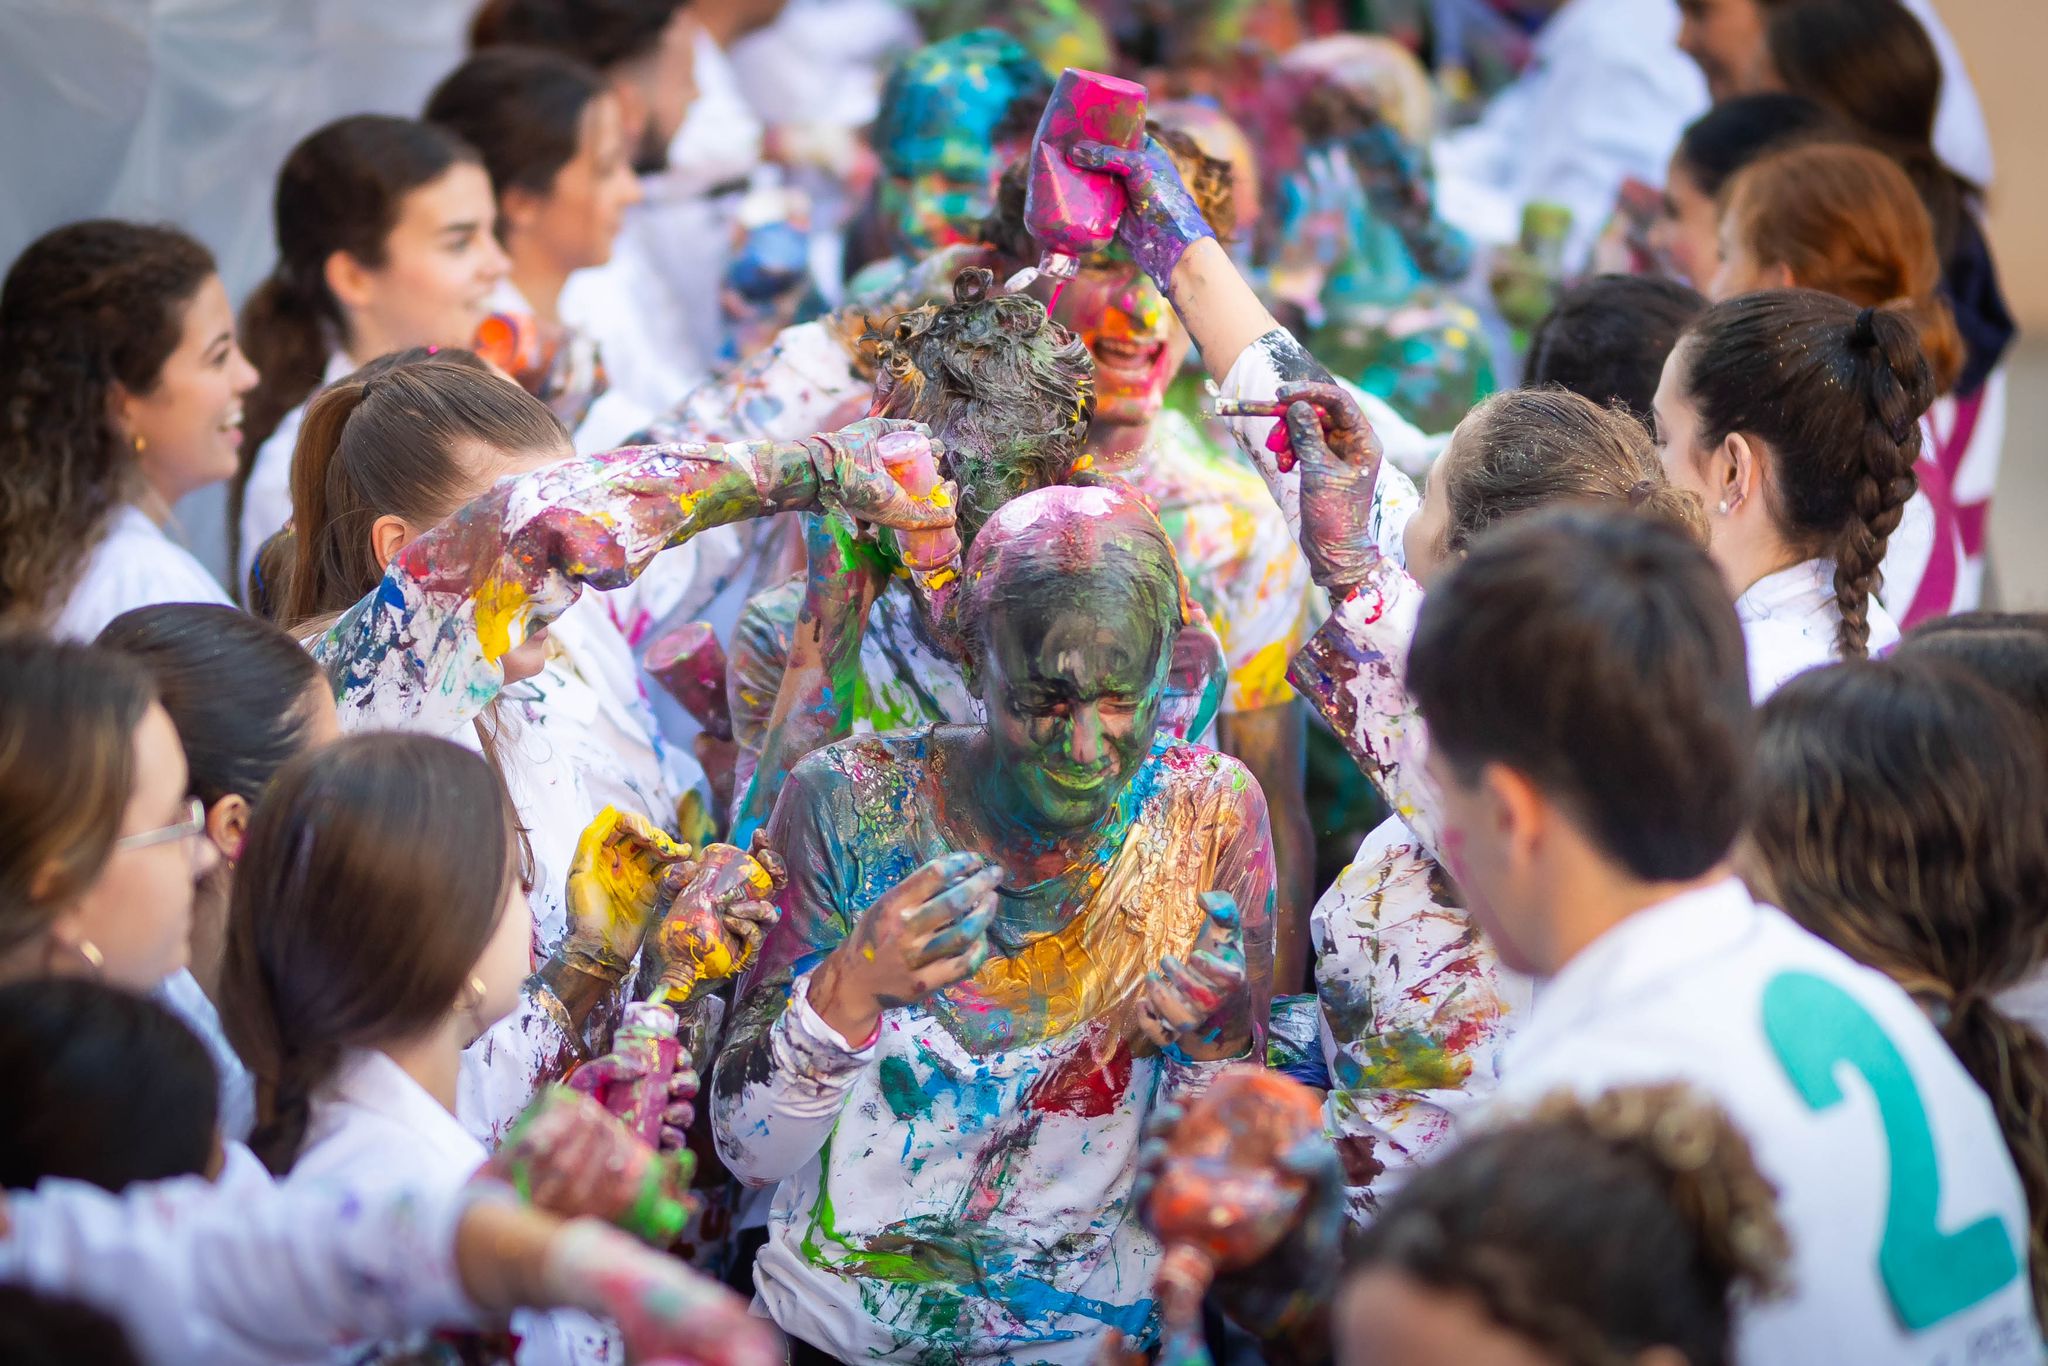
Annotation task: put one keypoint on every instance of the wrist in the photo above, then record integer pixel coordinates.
(795, 475)
(839, 999)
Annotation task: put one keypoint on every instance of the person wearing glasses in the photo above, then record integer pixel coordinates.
(103, 844)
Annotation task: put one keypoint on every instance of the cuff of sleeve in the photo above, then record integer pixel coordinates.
(803, 1017)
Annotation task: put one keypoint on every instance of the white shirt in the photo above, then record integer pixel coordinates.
(243, 1272)
(1605, 96)
(1789, 620)
(267, 497)
(372, 1121)
(134, 565)
(1854, 1107)
(182, 994)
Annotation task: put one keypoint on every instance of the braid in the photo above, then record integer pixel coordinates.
(1885, 483)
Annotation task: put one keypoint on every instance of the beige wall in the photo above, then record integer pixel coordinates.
(2003, 43)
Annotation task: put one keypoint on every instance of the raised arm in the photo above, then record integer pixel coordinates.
(423, 650)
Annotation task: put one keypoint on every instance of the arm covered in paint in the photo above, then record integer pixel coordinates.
(423, 650)
(814, 702)
(761, 646)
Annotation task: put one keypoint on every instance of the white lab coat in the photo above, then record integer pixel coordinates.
(243, 1272)
(1840, 1085)
(267, 498)
(135, 565)
(1605, 96)
(1788, 624)
(372, 1121)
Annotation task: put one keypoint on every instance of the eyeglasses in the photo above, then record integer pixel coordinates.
(193, 824)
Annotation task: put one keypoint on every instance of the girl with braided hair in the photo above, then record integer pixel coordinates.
(1900, 810)
(120, 392)
(1585, 1232)
(1795, 416)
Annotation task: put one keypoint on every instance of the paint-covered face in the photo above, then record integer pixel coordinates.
(1137, 342)
(1071, 679)
(935, 208)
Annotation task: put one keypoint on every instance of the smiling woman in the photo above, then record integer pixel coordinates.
(122, 391)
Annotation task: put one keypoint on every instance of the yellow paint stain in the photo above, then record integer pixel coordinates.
(941, 577)
(500, 618)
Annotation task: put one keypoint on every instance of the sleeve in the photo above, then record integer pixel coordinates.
(422, 650)
(784, 1074)
(1354, 673)
(1414, 1009)
(253, 1273)
(761, 643)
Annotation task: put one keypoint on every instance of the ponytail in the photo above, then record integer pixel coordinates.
(339, 190)
(1901, 813)
(1834, 395)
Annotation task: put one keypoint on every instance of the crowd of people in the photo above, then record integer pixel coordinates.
(1321, 695)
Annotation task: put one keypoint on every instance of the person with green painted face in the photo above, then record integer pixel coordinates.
(1002, 947)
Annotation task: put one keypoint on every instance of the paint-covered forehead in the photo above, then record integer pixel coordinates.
(1067, 530)
(943, 106)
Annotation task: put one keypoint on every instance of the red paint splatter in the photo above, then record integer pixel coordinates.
(1084, 1085)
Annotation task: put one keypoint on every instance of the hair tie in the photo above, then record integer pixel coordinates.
(1865, 332)
(1640, 492)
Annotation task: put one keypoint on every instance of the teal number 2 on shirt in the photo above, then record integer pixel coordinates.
(1813, 1025)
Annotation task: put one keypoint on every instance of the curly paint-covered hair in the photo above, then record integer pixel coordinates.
(1008, 392)
(87, 307)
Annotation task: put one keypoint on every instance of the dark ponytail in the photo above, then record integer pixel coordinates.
(373, 877)
(1901, 812)
(1836, 394)
(522, 109)
(341, 189)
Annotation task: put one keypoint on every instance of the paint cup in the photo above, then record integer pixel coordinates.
(648, 1030)
(689, 663)
(1073, 212)
(908, 459)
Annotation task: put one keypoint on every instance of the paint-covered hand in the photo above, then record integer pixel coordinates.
(666, 1312)
(1161, 220)
(1201, 1006)
(1339, 457)
(624, 875)
(571, 1156)
(850, 472)
(927, 932)
(718, 921)
(646, 1080)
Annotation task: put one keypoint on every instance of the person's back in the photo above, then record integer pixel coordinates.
(1907, 1224)
(1602, 864)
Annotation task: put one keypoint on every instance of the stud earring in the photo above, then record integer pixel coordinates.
(1723, 509)
(140, 444)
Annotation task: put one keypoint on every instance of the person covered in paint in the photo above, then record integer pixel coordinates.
(1362, 252)
(1899, 814)
(122, 391)
(954, 113)
(1624, 1227)
(1590, 814)
(1008, 395)
(551, 133)
(245, 698)
(1003, 945)
(385, 240)
(443, 602)
(1845, 220)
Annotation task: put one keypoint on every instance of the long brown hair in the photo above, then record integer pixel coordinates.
(391, 439)
(1845, 220)
(341, 189)
(68, 715)
(86, 307)
(373, 878)
(1836, 393)
(1901, 813)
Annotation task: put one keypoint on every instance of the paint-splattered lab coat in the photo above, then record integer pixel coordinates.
(1415, 1005)
(957, 1189)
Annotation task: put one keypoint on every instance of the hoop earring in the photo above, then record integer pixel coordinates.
(85, 950)
(140, 444)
